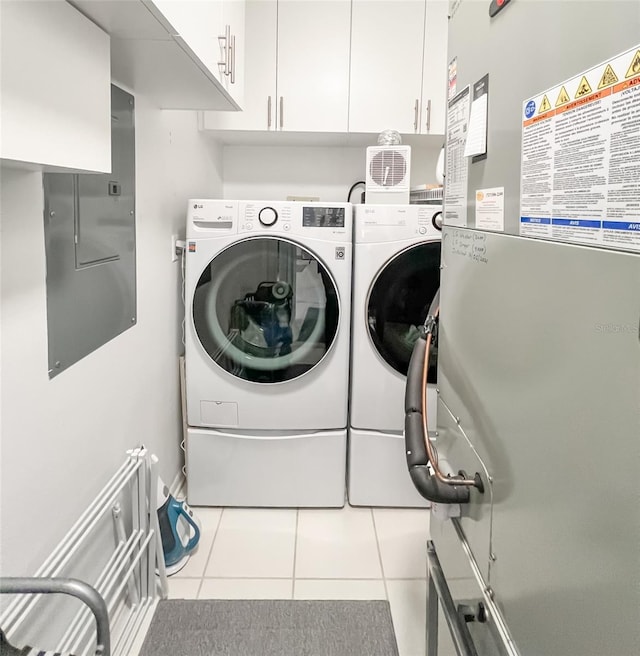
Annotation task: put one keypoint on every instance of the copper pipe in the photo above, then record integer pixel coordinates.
(433, 458)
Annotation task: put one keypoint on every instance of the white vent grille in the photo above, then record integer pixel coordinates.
(388, 174)
(388, 168)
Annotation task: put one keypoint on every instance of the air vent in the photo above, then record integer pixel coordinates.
(388, 174)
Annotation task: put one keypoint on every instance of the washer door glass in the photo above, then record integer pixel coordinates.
(266, 310)
(398, 304)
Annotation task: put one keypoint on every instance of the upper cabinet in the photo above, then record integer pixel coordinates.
(313, 71)
(296, 68)
(434, 69)
(183, 54)
(386, 65)
(54, 88)
(345, 66)
(398, 66)
(259, 103)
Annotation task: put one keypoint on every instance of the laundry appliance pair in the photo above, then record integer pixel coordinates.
(268, 342)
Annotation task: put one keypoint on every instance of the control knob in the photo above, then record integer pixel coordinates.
(267, 216)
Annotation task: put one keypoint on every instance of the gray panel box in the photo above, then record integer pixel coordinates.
(90, 242)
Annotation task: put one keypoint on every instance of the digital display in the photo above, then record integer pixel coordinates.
(323, 217)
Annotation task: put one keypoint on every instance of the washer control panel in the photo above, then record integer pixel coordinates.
(327, 221)
(267, 216)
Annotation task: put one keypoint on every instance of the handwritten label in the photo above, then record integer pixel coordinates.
(471, 245)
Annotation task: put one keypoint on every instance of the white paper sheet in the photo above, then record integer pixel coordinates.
(490, 209)
(477, 139)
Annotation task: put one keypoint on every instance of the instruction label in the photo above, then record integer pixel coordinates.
(457, 165)
(490, 209)
(581, 158)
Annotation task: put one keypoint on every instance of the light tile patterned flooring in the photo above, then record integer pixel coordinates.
(347, 553)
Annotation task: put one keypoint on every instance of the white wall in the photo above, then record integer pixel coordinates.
(327, 172)
(62, 439)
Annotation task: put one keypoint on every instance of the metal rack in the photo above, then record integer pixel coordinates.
(130, 581)
(423, 196)
(79, 589)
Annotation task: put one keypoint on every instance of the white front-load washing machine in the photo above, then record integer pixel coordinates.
(267, 318)
(396, 275)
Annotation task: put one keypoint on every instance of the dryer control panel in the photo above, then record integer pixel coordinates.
(388, 223)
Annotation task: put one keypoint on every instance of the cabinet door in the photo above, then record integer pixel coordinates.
(199, 23)
(55, 70)
(387, 40)
(233, 20)
(434, 80)
(313, 65)
(259, 52)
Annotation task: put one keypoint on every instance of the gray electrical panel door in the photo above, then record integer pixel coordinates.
(89, 223)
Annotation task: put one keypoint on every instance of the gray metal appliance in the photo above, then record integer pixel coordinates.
(539, 333)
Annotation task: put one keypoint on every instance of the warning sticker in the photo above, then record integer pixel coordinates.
(608, 78)
(545, 105)
(581, 159)
(634, 67)
(563, 97)
(583, 88)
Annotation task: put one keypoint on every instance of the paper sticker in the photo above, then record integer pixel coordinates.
(457, 165)
(453, 78)
(476, 145)
(581, 158)
(490, 209)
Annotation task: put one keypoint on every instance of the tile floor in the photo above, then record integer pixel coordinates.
(347, 553)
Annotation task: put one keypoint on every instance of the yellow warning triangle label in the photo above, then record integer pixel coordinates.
(608, 78)
(563, 97)
(634, 67)
(583, 88)
(545, 105)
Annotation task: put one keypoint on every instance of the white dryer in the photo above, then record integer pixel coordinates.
(396, 275)
(267, 296)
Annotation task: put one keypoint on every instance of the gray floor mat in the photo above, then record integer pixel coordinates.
(270, 628)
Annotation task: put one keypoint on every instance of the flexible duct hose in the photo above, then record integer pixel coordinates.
(430, 483)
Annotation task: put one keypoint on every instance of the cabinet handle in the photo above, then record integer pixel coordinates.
(415, 117)
(429, 115)
(281, 111)
(227, 32)
(269, 112)
(233, 59)
(227, 54)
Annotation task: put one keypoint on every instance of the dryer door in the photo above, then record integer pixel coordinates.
(266, 310)
(398, 303)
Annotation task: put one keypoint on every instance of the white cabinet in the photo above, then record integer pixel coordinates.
(55, 87)
(386, 65)
(398, 66)
(233, 20)
(296, 68)
(199, 25)
(170, 50)
(259, 52)
(434, 76)
(214, 31)
(313, 70)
